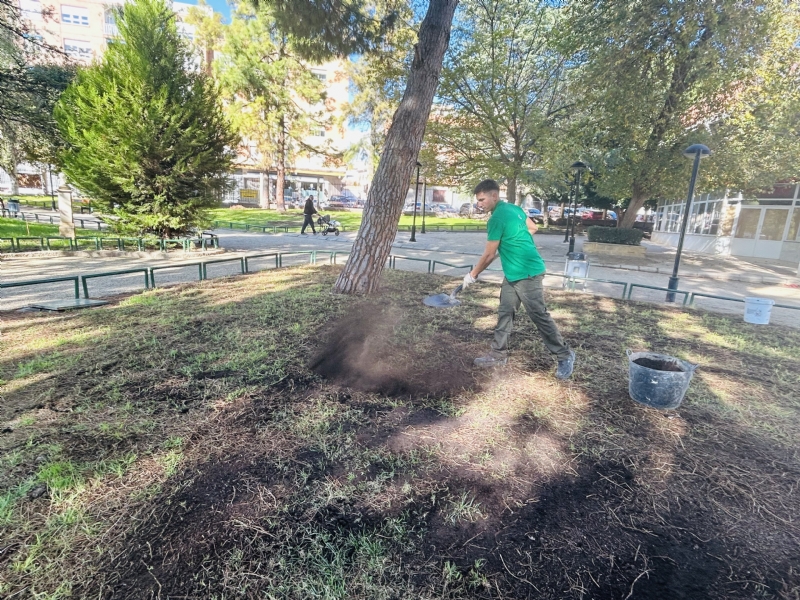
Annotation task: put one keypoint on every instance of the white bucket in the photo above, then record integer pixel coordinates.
(757, 310)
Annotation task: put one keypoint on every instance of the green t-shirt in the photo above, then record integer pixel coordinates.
(517, 251)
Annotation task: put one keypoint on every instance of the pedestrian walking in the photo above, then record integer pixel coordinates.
(510, 235)
(308, 216)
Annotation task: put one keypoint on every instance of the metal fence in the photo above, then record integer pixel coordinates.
(28, 243)
(277, 259)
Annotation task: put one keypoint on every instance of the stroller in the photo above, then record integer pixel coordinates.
(327, 225)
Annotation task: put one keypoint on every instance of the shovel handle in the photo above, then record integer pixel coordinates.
(456, 291)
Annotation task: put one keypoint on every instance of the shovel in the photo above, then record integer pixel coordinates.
(443, 300)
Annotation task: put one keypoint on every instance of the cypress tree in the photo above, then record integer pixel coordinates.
(146, 136)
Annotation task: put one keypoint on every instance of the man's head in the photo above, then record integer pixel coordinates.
(487, 194)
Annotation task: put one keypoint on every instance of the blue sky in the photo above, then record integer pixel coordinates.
(219, 6)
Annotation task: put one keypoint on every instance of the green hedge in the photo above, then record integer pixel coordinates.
(608, 235)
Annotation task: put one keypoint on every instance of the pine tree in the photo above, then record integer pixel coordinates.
(146, 137)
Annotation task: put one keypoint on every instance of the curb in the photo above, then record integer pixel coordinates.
(715, 276)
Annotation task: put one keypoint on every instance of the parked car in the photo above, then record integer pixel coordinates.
(340, 201)
(430, 209)
(445, 210)
(535, 215)
(592, 215)
(465, 210)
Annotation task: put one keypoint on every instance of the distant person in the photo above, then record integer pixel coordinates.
(308, 216)
(510, 233)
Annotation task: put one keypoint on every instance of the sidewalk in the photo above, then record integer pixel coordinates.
(716, 275)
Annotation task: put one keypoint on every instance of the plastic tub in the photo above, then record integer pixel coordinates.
(757, 310)
(658, 380)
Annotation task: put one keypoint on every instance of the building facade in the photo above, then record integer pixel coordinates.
(85, 28)
(766, 225)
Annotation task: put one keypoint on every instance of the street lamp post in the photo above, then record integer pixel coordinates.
(424, 197)
(569, 206)
(414, 219)
(578, 167)
(698, 152)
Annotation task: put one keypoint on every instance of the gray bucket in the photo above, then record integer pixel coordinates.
(658, 380)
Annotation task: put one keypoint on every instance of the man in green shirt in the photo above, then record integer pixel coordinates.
(510, 234)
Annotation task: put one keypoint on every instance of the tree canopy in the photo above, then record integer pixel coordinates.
(652, 77)
(33, 74)
(501, 93)
(146, 136)
(273, 98)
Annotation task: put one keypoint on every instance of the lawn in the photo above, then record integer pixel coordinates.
(17, 228)
(258, 437)
(351, 220)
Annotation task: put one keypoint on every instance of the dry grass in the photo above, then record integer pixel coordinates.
(178, 444)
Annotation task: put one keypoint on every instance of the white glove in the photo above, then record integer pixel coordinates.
(468, 280)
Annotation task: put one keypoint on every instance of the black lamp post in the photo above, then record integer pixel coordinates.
(52, 191)
(414, 219)
(698, 152)
(424, 197)
(578, 167)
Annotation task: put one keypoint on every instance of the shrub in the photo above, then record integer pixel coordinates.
(604, 235)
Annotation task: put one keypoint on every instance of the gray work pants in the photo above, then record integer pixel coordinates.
(530, 293)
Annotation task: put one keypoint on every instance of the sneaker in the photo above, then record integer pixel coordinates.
(566, 366)
(491, 360)
(303, 233)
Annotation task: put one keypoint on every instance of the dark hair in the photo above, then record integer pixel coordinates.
(487, 185)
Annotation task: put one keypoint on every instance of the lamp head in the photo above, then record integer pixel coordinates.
(579, 166)
(419, 164)
(696, 149)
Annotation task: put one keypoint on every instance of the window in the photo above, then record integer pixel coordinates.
(748, 224)
(320, 132)
(774, 224)
(794, 225)
(31, 9)
(713, 216)
(320, 75)
(78, 49)
(660, 220)
(696, 219)
(73, 15)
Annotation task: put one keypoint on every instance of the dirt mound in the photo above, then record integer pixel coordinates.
(362, 352)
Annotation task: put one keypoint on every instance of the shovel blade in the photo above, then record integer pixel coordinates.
(443, 300)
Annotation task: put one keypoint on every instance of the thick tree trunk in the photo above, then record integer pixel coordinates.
(511, 190)
(390, 185)
(638, 198)
(281, 167)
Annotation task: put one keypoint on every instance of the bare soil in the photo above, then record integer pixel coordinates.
(503, 483)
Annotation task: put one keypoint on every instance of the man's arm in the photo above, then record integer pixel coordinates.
(532, 227)
(488, 256)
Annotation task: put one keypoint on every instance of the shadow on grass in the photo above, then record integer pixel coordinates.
(403, 472)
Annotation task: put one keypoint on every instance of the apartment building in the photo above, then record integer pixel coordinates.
(309, 174)
(85, 28)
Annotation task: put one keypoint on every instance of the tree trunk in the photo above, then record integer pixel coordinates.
(638, 198)
(511, 190)
(403, 140)
(263, 187)
(281, 167)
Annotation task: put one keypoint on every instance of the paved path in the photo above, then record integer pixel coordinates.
(725, 276)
